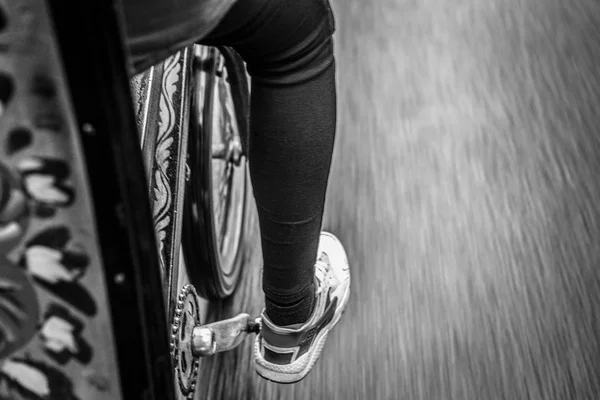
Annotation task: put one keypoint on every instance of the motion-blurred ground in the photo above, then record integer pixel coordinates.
(466, 186)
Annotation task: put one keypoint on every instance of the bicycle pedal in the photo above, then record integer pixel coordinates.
(224, 335)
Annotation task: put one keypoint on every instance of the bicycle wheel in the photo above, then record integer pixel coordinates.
(217, 185)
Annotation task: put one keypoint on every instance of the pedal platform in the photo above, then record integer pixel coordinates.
(191, 341)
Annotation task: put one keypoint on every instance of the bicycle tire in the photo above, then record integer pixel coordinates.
(215, 275)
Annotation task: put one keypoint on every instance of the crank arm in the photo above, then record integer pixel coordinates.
(223, 335)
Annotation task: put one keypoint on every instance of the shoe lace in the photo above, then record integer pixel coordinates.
(323, 273)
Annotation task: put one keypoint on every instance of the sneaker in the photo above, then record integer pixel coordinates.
(287, 354)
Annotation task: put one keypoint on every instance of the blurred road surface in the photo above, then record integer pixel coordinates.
(465, 185)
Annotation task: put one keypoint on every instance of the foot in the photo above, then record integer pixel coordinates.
(287, 354)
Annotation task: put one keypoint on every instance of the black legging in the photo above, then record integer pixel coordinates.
(288, 48)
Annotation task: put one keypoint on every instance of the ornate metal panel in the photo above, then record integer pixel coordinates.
(81, 307)
(56, 340)
(161, 96)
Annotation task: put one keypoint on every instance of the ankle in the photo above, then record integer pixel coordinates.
(297, 312)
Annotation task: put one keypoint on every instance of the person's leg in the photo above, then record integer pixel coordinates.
(287, 45)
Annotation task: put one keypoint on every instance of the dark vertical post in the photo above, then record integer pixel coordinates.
(93, 57)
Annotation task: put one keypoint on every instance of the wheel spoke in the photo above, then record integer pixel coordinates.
(223, 201)
(227, 204)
